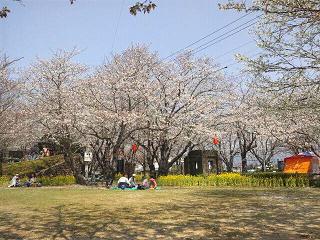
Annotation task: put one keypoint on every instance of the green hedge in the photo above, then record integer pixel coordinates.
(238, 180)
(282, 179)
(57, 181)
(4, 181)
(28, 167)
(45, 181)
(281, 175)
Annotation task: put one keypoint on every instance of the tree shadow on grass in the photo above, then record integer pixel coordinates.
(263, 213)
(205, 214)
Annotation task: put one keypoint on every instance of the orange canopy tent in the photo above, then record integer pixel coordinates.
(301, 164)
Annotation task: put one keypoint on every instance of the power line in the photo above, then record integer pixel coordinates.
(227, 66)
(235, 63)
(206, 36)
(117, 26)
(230, 51)
(215, 42)
(219, 39)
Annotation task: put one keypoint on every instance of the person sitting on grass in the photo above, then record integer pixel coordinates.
(144, 185)
(153, 183)
(28, 182)
(15, 181)
(32, 181)
(132, 181)
(123, 182)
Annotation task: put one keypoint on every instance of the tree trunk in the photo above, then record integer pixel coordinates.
(144, 168)
(150, 162)
(80, 179)
(152, 168)
(229, 167)
(68, 158)
(163, 170)
(244, 163)
(263, 166)
(108, 176)
(1, 162)
(217, 166)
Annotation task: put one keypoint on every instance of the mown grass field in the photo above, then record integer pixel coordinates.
(170, 213)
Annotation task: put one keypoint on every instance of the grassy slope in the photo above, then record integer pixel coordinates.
(28, 167)
(172, 213)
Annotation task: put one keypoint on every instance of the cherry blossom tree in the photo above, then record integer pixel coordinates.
(228, 147)
(9, 111)
(187, 104)
(266, 148)
(167, 108)
(114, 101)
(286, 74)
(51, 101)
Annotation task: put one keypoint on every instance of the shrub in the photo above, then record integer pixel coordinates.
(57, 180)
(315, 182)
(4, 180)
(138, 177)
(28, 167)
(235, 179)
(45, 181)
(279, 179)
(117, 177)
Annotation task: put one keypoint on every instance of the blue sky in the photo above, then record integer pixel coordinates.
(100, 27)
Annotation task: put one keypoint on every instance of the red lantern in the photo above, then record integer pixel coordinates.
(134, 148)
(215, 140)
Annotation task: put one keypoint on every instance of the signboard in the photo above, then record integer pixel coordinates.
(87, 156)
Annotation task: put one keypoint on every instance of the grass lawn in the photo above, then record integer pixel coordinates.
(170, 213)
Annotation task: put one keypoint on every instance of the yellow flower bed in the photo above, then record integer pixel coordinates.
(232, 179)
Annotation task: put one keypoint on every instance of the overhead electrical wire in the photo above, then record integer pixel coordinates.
(225, 36)
(235, 62)
(220, 38)
(215, 40)
(236, 48)
(206, 36)
(117, 26)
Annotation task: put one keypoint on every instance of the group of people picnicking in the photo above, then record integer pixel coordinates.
(30, 182)
(125, 183)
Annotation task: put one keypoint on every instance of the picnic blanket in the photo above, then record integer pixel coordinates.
(131, 189)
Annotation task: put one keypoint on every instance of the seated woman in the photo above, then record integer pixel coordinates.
(15, 181)
(123, 182)
(132, 181)
(144, 185)
(27, 183)
(153, 183)
(32, 181)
